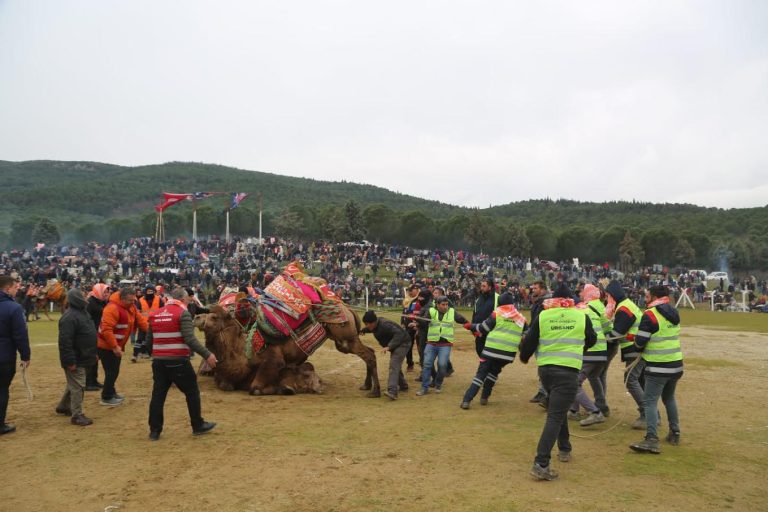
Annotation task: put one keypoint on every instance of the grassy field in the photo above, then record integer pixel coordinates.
(340, 451)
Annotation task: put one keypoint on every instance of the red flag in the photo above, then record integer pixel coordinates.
(170, 199)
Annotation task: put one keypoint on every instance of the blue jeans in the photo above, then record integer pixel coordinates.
(430, 353)
(656, 386)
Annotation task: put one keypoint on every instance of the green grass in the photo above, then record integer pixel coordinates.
(751, 322)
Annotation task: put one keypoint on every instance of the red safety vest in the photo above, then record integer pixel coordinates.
(166, 332)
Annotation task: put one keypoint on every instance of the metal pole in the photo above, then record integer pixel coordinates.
(261, 207)
(194, 224)
(227, 226)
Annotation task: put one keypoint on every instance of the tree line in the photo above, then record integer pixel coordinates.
(624, 246)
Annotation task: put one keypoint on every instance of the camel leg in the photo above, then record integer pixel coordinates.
(266, 380)
(368, 355)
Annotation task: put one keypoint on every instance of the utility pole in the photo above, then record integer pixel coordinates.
(261, 208)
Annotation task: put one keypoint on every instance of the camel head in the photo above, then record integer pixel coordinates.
(217, 324)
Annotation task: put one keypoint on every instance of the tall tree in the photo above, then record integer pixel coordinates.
(515, 242)
(543, 241)
(684, 253)
(355, 228)
(631, 253)
(479, 229)
(46, 232)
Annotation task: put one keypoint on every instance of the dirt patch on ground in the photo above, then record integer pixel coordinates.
(342, 451)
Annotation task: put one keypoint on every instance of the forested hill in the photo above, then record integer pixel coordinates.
(103, 190)
(83, 201)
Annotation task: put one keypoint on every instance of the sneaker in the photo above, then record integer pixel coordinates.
(673, 438)
(483, 401)
(119, 396)
(438, 389)
(574, 416)
(7, 428)
(464, 405)
(92, 387)
(606, 411)
(154, 435)
(595, 417)
(647, 445)
(537, 398)
(206, 427)
(544, 403)
(389, 395)
(540, 473)
(404, 388)
(422, 392)
(81, 420)
(639, 424)
(64, 411)
(110, 402)
(564, 456)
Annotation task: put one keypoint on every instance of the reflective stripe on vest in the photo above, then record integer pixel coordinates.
(503, 340)
(632, 332)
(167, 340)
(121, 329)
(663, 346)
(561, 337)
(441, 328)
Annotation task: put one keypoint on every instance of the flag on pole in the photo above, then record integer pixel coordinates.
(200, 195)
(170, 199)
(237, 198)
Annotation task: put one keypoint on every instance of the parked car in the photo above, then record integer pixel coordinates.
(717, 275)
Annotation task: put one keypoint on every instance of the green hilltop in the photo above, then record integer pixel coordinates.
(96, 201)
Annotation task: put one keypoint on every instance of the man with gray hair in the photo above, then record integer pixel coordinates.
(171, 341)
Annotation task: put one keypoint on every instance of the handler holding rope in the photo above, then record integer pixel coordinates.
(13, 338)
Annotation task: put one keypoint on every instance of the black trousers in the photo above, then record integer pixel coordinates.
(166, 372)
(409, 354)
(561, 385)
(92, 374)
(111, 364)
(7, 371)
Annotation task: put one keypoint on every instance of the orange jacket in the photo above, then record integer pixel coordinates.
(115, 315)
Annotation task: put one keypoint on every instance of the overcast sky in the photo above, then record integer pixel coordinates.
(470, 103)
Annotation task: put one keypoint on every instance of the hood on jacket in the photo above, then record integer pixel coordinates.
(115, 299)
(615, 290)
(670, 313)
(76, 299)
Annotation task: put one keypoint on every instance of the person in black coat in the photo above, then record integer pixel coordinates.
(77, 352)
(397, 342)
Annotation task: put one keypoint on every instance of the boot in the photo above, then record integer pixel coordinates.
(81, 420)
(648, 445)
(639, 423)
(673, 438)
(540, 473)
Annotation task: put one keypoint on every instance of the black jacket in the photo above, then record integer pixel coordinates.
(77, 334)
(95, 309)
(389, 334)
(13, 331)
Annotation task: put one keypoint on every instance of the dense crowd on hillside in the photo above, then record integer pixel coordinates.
(208, 266)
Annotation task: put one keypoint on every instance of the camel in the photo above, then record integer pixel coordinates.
(53, 292)
(261, 375)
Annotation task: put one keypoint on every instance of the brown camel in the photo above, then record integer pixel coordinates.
(260, 375)
(55, 293)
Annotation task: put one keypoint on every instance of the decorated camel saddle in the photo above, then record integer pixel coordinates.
(294, 305)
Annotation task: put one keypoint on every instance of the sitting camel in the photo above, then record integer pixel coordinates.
(261, 374)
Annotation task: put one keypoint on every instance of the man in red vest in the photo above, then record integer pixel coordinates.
(171, 341)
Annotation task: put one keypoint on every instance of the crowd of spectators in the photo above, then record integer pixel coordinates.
(382, 271)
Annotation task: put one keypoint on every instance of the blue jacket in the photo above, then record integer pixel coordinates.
(13, 330)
